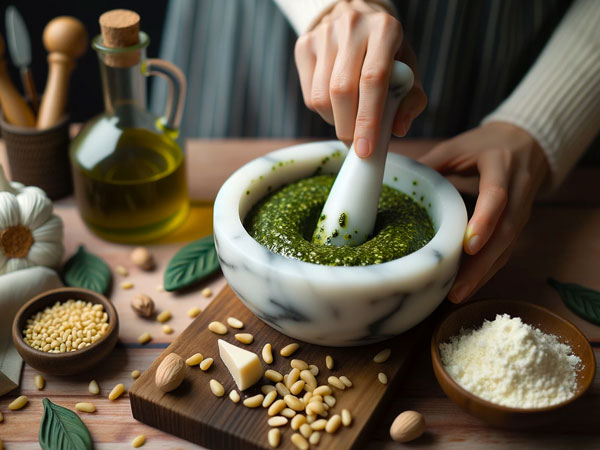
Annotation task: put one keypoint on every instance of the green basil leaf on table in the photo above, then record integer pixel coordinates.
(62, 429)
(583, 301)
(86, 270)
(191, 264)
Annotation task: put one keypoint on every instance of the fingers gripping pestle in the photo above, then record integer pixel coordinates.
(348, 217)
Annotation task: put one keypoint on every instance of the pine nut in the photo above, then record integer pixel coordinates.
(164, 316)
(333, 423)
(336, 383)
(315, 398)
(116, 391)
(289, 349)
(217, 327)
(316, 408)
(313, 369)
(234, 396)
(276, 407)
(314, 438)
(329, 400)
(244, 338)
(307, 396)
(274, 437)
(382, 356)
(18, 403)
(288, 412)
(206, 292)
(217, 388)
(329, 362)
(344, 379)
(299, 364)
(93, 388)
(273, 375)
(266, 388)
(205, 364)
(310, 418)
(292, 377)
(235, 323)
(346, 417)
(382, 377)
(126, 285)
(277, 421)
(121, 270)
(297, 387)
(299, 441)
(319, 424)
(39, 382)
(85, 407)
(144, 338)
(193, 312)
(167, 329)
(309, 388)
(194, 360)
(160, 288)
(254, 401)
(267, 354)
(322, 390)
(308, 378)
(281, 389)
(306, 430)
(269, 399)
(293, 402)
(138, 441)
(297, 421)
(135, 374)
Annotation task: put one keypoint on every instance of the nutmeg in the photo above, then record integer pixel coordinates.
(143, 305)
(170, 372)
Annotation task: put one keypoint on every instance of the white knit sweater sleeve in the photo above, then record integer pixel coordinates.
(304, 14)
(558, 101)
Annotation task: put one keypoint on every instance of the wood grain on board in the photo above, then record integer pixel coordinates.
(194, 413)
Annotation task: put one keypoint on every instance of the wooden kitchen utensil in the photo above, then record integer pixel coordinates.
(192, 412)
(15, 109)
(66, 39)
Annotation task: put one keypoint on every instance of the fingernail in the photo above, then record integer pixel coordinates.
(473, 244)
(362, 148)
(458, 293)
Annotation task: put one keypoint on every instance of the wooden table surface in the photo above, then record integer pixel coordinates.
(561, 240)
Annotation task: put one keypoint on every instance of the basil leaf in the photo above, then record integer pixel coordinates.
(191, 264)
(62, 429)
(87, 271)
(584, 302)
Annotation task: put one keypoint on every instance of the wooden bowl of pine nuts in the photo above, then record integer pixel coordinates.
(65, 331)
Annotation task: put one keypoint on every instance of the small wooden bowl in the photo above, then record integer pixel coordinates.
(472, 315)
(71, 362)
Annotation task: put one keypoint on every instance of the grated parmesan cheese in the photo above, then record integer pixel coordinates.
(511, 363)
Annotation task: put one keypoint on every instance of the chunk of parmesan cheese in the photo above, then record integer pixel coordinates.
(244, 366)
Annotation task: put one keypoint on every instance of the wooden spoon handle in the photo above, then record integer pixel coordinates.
(15, 109)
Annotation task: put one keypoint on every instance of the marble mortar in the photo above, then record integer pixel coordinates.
(337, 305)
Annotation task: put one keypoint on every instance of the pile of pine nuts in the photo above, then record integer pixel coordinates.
(66, 327)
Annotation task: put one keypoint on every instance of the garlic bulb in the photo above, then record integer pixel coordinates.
(30, 235)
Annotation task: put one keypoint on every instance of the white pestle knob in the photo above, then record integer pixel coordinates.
(349, 214)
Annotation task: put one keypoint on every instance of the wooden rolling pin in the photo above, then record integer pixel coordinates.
(65, 38)
(16, 111)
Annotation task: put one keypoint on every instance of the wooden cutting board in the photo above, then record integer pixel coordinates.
(194, 413)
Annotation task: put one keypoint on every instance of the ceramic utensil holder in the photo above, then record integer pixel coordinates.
(40, 157)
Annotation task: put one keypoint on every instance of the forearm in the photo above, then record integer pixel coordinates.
(558, 101)
(303, 15)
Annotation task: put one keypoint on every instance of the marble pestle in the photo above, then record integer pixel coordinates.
(348, 216)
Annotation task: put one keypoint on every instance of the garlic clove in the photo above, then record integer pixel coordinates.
(35, 208)
(9, 210)
(14, 264)
(51, 231)
(47, 254)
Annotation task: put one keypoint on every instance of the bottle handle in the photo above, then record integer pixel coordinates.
(176, 93)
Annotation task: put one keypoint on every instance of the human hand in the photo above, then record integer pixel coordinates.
(511, 167)
(344, 64)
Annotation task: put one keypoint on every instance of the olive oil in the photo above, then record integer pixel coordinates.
(135, 189)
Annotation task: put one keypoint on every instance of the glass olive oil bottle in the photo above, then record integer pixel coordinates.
(128, 170)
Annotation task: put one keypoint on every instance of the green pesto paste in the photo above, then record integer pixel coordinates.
(284, 222)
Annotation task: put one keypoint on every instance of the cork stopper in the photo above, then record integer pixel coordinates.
(120, 28)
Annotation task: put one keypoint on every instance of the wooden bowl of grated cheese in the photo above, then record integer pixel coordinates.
(512, 363)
